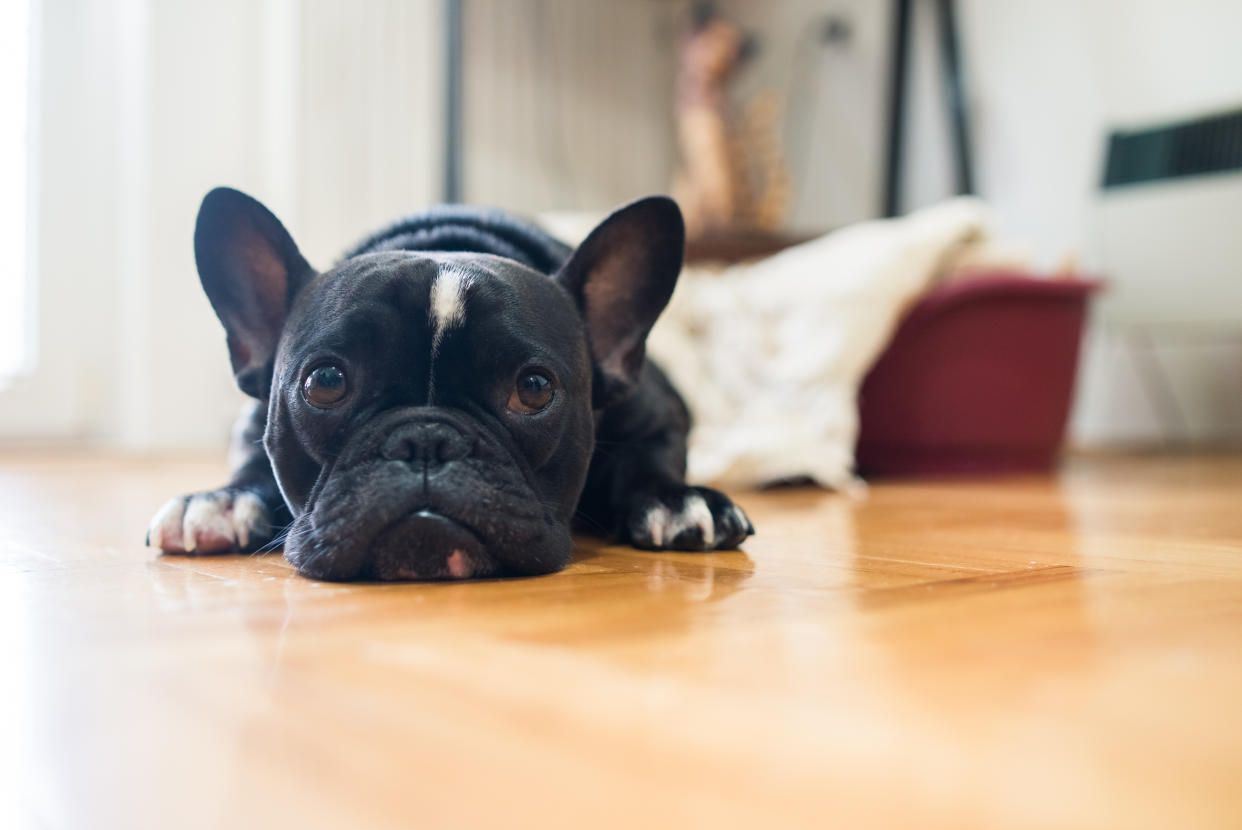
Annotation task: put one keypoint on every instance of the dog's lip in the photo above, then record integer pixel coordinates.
(465, 556)
(422, 512)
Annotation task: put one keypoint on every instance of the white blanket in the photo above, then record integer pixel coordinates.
(769, 355)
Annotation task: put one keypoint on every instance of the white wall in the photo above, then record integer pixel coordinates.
(568, 106)
(327, 111)
(1163, 361)
(1046, 80)
(330, 112)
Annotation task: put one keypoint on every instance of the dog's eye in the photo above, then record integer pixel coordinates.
(531, 393)
(324, 386)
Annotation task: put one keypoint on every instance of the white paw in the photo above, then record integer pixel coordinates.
(693, 518)
(217, 521)
(663, 525)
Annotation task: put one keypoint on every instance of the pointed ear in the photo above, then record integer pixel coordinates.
(622, 276)
(251, 271)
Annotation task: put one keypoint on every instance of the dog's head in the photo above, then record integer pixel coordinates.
(432, 414)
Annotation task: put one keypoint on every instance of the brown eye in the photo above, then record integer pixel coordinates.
(324, 386)
(531, 393)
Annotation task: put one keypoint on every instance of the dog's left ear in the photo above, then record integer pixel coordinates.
(622, 276)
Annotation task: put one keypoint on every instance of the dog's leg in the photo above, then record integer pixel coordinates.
(636, 488)
(243, 515)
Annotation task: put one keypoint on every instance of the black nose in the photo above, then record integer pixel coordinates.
(432, 443)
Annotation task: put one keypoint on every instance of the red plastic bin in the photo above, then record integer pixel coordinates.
(978, 378)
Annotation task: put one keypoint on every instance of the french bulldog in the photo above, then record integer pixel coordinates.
(450, 400)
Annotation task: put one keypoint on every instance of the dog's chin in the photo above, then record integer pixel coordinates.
(428, 545)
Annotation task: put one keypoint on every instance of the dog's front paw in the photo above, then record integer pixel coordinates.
(215, 521)
(686, 518)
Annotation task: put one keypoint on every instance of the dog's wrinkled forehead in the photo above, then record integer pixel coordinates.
(415, 303)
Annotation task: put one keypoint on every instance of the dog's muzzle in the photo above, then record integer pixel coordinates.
(424, 493)
(427, 543)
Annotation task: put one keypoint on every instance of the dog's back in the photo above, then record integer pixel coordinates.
(465, 228)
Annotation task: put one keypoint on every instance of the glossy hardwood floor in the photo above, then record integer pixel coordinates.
(1041, 652)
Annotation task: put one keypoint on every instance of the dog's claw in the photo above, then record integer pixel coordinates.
(217, 521)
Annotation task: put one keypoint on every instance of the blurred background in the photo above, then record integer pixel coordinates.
(118, 115)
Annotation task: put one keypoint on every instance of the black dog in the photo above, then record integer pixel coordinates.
(449, 399)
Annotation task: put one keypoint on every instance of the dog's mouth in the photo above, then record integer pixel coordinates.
(427, 545)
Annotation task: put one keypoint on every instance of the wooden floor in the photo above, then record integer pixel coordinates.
(1029, 653)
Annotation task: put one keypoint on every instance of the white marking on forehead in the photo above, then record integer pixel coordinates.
(448, 303)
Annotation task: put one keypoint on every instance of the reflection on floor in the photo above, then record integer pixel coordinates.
(1054, 652)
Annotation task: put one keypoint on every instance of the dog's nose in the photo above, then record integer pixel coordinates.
(432, 443)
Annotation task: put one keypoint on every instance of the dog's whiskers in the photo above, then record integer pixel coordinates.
(282, 538)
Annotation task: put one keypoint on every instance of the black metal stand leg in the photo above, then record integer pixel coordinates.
(452, 100)
(898, 56)
(955, 96)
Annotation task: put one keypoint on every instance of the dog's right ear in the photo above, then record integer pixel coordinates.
(251, 270)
